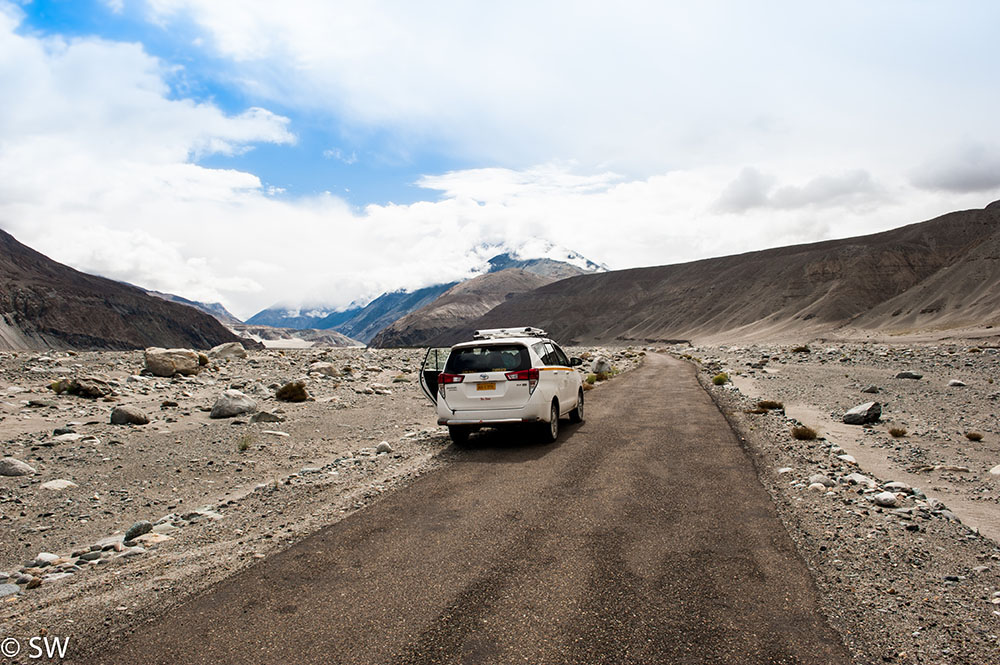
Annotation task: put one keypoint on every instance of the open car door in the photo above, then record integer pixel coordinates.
(432, 366)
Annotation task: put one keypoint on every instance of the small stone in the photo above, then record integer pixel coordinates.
(58, 484)
(9, 590)
(784, 470)
(872, 390)
(897, 486)
(137, 529)
(383, 447)
(15, 467)
(228, 350)
(909, 375)
(168, 362)
(825, 481)
(817, 487)
(266, 417)
(885, 499)
(34, 583)
(44, 559)
(151, 539)
(863, 414)
(955, 383)
(849, 459)
(858, 479)
(995, 471)
(91, 556)
(128, 415)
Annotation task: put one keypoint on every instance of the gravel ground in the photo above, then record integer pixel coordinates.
(916, 580)
(215, 494)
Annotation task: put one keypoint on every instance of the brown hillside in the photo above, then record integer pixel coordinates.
(815, 287)
(44, 304)
(462, 303)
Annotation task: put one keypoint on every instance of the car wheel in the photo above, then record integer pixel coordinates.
(459, 435)
(550, 430)
(576, 415)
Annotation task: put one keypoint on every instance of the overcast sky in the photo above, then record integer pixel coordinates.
(251, 151)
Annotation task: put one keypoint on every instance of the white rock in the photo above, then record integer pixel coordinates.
(858, 479)
(383, 447)
(168, 362)
(326, 369)
(232, 403)
(58, 484)
(782, 470)
(817, 487)
(847, 458)
(886, 499)
(995, 471)
(955, 383)
(825, 481)
(228, 350)
(897, 486)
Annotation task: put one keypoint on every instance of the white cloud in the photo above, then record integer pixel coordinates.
(967, 167)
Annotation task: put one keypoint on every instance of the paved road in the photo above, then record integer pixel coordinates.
(641, 536)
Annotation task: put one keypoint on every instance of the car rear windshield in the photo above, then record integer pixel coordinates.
(488, 358)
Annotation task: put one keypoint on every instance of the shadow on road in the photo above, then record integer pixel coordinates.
(510, 445)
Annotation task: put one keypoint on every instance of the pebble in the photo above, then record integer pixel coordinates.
(909, 375)
(821, 479)
(955, 383)
(137, 529)
(847, 458)
(9, 590)
(383, 447)
(885, 499)
(995, 471)
(58, 484)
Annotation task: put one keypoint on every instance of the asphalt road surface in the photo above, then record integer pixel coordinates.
(641, 536)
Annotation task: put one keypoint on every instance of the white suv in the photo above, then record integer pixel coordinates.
(504, 376)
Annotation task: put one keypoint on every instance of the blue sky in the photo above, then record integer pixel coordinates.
(253, 152)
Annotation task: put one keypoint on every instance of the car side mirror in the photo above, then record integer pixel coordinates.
(575, 362)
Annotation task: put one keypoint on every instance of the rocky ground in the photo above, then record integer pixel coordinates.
(900, 531)
(112, 524)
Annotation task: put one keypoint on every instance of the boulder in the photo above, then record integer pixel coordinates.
(14, 467)
(326, 369)
(600, 365)
(227, 350)
(128, 415)
(88, 386)
(232, 403)
(293, 391)
(863, 414)
(168, 362)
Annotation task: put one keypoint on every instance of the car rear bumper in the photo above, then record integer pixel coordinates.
(530, 413)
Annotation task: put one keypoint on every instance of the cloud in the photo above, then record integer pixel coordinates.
(754, 189)
(969, 167)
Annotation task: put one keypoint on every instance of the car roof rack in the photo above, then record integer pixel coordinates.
(500, 333)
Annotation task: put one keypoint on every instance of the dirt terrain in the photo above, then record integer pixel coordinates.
(917, 579)
(220, 493)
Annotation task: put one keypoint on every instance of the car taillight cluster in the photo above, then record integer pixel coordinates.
(450, 378)
(529, 375)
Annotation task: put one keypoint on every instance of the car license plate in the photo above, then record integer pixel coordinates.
(486, 386)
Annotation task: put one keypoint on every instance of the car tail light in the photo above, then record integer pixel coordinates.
(529, 375)
(450, 378)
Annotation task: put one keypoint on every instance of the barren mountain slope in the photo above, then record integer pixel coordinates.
(463, 302)
(819, 286)
(44, 304)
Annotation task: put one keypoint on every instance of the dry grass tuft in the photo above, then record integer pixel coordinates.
(720, 379)
(768, 404)
(973, 436)
(897, 432)
(804, 433)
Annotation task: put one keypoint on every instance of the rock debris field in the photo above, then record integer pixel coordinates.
(132, 480)
(898, 516)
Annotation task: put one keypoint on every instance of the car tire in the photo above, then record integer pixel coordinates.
(550, 430)
(459, 435)
(576, 415)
